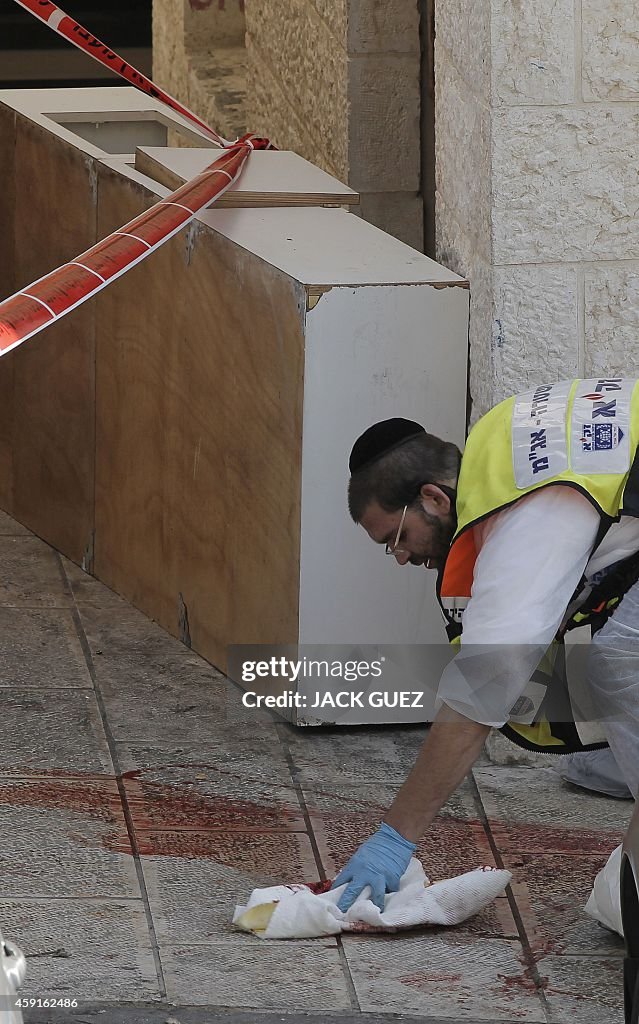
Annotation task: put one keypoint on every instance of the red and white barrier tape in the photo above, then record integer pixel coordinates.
(48, 299)
(42, 303)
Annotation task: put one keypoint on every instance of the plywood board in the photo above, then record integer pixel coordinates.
(199, 398)
(269, 178)
(7, 199)
(53, 417)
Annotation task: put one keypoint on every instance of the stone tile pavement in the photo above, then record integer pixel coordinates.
(139, 802)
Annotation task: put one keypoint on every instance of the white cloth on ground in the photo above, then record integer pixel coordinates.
(295, 912)
(604, 902)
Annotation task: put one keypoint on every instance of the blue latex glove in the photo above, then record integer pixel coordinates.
(380, 862)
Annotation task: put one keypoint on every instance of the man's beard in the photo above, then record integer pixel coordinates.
(442, 532)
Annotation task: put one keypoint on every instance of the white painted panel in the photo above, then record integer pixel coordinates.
(44, 105)
(320, 246)
(372, 353)
(33, 101)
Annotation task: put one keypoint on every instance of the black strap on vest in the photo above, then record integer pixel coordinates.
(631, 490)
(607, 595)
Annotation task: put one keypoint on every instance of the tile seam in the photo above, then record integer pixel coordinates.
(350, 984)
(121, 790)
(67, 899)
(340, 42)
(523, 936)
(45, 689)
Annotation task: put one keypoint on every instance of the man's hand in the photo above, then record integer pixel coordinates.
(380, 863)
(449, 751)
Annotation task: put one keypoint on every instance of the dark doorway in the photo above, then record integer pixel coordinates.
(31, 54)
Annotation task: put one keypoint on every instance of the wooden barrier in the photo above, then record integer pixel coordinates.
(185, 435)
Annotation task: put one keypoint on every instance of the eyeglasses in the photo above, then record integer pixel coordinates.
(392, 549)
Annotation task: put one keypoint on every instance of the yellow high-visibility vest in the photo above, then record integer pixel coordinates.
(576, 433)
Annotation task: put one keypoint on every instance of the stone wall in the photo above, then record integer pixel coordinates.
(463, 165)
(199, 57)
(384, 114)
(337, 81)
(297, 84)
(537, 129)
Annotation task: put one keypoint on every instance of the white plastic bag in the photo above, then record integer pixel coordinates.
(604, 902)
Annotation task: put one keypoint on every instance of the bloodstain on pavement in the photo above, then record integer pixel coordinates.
(161, 805)
(525, 837)
(254, 838)
(525, 982)
(551, 892)
(180, 807)
(194, 815)
(97, 798)
(454, 845)
(203, 817)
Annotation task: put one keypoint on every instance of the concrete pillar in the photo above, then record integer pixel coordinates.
(537, 129)
(338, 81)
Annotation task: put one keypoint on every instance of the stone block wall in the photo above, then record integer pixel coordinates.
(384, 105)
(537, 134)
(463, 163)
(199, 57)
(337, 81)
(297, 83)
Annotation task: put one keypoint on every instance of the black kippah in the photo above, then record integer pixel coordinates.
(380, 439)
